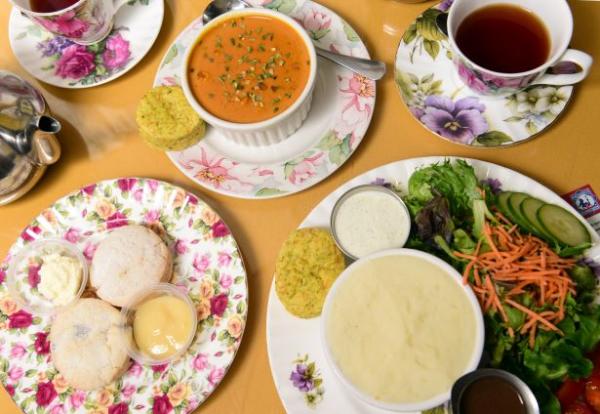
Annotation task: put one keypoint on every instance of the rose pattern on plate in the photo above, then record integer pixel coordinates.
(307, 379)
(207, 264)
(348, 125)
(75, 64)
(449, 98)
(86, 64)
(486, 84)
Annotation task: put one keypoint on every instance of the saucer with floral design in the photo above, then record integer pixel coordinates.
(341, 112)
(438, 99)
(60, 62)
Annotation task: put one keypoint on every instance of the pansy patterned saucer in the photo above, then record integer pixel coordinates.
(434, 94)
(341, 112)
(60, 62)
(207, 265)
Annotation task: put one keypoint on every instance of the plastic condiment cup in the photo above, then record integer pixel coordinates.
(128, 314)
(360, 394)
(23, 275)
(363, 189)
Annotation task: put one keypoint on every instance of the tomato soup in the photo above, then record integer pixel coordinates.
(249, 68)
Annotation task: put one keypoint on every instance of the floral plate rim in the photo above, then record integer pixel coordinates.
(443, 6)
(263, 191)
(14, 24)
(156, 199)
(301, 392)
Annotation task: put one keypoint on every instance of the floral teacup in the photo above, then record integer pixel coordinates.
(563, 67)
(85, 22)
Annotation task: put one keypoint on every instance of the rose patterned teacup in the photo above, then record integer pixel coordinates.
(563, 66)
(85, 22)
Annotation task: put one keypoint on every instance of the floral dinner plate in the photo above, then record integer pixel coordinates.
(442, 103)
(208, 266)
(341, 112)
(60, 62)
(304, 380)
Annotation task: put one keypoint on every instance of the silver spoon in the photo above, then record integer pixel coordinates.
(371, 69)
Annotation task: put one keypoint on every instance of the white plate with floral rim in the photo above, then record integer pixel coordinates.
(304, 380)
(341, 112)
(442, 103)
(208, 265)
(60, 62)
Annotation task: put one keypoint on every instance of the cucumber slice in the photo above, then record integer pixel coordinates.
(514, 205)
(503, 204)
(563, 226)
(529, 209)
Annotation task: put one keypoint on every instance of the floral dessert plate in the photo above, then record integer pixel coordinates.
(60, 62)
(207, 264)
(304, 380)
(341, 112)
(433, 92)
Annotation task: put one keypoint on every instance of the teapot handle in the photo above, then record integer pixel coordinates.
(47, 149)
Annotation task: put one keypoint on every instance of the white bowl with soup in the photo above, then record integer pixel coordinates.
(399, 328)
(251, 74)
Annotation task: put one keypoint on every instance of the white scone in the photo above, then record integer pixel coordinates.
(128, 260)
(87, 344)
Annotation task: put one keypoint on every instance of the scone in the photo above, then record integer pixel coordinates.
(128, 260)
(87, 344)
(308, 263)
(166, 120)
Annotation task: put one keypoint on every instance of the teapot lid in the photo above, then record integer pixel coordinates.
(19, 101)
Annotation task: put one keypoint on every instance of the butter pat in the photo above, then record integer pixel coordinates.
(60, 278)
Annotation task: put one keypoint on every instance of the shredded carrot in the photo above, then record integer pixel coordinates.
(515, 264)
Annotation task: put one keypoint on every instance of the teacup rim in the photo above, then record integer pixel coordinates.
(551, 60)
(49, 14)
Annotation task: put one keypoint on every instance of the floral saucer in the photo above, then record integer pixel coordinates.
(434, 94)
(207, 265)
(305, 381)
(60, 62)
(341, 112)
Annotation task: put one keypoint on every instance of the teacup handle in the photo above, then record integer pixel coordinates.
(117, 4)
(581, 59)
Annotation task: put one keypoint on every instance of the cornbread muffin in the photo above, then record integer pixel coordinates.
(130, 259)
(308, 264)
(166, 120)
(87, 344)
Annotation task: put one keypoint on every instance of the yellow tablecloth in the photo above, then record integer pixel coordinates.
(100, 141)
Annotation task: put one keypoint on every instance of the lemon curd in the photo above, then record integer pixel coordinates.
(162, 326)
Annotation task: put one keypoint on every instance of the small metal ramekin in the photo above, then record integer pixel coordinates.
(531, 404)
(353, 191)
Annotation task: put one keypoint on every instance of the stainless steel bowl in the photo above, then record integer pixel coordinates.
(531, 404)
(350, 193)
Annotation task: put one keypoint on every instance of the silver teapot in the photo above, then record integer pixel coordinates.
(27, 141)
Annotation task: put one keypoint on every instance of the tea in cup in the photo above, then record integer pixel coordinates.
(501, 47)
(81, 21)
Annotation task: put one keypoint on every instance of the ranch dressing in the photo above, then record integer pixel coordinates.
(370, 221)
(400, 329)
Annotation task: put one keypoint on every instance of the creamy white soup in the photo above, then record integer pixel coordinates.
(401, 329)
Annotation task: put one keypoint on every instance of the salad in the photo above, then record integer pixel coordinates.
(524, 260)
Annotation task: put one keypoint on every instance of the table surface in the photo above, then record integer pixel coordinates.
(100, 141)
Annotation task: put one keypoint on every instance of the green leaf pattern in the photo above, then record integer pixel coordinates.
(207, 264)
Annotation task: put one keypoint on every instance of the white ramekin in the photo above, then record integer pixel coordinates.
(273, 130)
(402, 407)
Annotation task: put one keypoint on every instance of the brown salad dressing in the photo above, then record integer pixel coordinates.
(491, 395)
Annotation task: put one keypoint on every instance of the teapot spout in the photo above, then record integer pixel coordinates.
(47, 124)
(21, 140)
